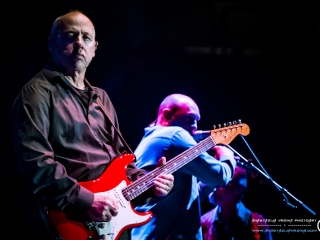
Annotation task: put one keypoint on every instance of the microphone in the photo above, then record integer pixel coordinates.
(201, 134)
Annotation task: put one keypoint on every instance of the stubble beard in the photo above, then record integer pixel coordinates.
(80, 65)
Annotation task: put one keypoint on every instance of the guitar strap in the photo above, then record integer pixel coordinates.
(106, 113)
(117, 130)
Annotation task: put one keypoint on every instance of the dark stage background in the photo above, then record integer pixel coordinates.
(256, 62)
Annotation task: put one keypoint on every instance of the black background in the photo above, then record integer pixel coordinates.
(257, 62)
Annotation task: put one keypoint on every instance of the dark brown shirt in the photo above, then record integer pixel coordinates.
(60, 139)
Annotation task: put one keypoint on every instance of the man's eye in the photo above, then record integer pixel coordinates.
(69, 35)
(86, 38)
(190, 119)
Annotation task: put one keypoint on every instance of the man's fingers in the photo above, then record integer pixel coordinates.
(162, 161)
(113, 211)
(165, 182)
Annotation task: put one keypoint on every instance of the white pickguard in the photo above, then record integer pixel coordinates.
(126, 216)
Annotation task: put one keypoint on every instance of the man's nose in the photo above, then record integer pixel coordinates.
(194, 126)
(79, 41)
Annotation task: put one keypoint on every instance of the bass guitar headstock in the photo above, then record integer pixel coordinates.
(225, 134)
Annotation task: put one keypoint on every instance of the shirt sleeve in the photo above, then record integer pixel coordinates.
(210, 171)
(46, 177)
(133, 174)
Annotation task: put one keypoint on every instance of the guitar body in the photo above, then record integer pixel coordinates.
(112, 181)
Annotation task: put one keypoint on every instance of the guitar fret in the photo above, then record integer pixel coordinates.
(144, 183)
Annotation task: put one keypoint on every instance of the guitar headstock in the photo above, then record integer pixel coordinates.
(228, 132)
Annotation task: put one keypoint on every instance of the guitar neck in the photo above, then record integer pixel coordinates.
(146, 182)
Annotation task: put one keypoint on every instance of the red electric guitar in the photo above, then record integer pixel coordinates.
(114, 182)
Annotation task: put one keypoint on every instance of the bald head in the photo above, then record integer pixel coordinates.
(66, 19)
(179, 110)
(176, 101)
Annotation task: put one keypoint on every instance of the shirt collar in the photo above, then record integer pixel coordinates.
(51, 70)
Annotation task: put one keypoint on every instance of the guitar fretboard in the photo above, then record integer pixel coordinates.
(146, 182)
(223, 135)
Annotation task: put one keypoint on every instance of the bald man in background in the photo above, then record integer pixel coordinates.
(177, 216)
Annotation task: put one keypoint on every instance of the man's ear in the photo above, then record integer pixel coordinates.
(167, 113)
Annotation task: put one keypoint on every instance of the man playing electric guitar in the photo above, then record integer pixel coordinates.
(65, 132)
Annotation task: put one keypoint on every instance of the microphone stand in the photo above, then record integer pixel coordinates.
(249, 166)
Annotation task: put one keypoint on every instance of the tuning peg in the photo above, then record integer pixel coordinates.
(219, 125)
(229, 123)
(239, 121)
(214, 126)
(224, 124)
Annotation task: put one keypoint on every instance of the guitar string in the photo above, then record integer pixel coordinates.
(145, 183)
(142, 184)
(133, 191)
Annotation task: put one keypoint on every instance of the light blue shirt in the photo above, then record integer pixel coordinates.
(177, 215)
